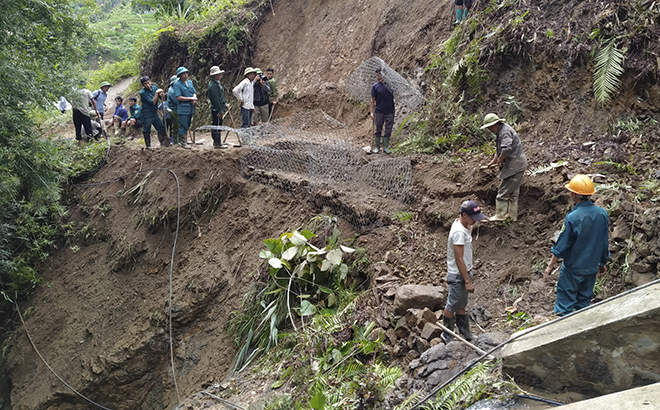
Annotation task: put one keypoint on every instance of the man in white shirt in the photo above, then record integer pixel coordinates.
(459, 270)
(80, 109)
(244, 93)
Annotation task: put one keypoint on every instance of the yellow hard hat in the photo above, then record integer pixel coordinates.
(581, 185)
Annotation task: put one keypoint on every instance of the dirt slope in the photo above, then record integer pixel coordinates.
(100, 317)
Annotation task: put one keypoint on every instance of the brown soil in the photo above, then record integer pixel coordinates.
(100, 317)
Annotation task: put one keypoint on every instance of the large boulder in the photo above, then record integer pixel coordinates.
(418, 297)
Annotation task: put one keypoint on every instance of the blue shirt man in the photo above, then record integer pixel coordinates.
(100, 96)
(382, 112)
(583, 245)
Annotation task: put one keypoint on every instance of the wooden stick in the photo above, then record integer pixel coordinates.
(446, 329)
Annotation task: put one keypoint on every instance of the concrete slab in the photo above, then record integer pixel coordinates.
(640, 398)
(609, 348)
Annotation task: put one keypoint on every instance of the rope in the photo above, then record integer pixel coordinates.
(176, 237)
(50, 368)
(516, 336)
(236, 406)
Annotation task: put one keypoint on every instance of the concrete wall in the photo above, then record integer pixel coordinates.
(641, 398)
(612, 347)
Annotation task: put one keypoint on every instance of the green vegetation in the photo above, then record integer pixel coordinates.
(302, 279)
(607, 74)
(41, 44)
(481, 382)
(331, 359)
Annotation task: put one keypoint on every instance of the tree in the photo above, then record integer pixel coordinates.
(41, 46)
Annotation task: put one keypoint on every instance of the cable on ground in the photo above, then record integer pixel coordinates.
(227, 402)
(176, 236)
(524, 333)
(18, 309)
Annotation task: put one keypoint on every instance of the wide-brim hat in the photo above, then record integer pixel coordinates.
(249, 70)
(181, 70)
(258, 70)
(104, 84)
(491, 119)
(173, 79)
(216, 70)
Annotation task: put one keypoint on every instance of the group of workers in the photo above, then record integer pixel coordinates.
(582, 245)
(257, 95)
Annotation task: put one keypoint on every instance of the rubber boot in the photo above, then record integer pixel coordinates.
(376, 144)
(513, 209)
(465, 12)
(463, 325)
(147, 139)
(164, 140)
(501, 209)
(386, 145)
(449, 324)
(459, 15)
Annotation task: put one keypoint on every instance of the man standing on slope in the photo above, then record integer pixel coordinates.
(149, 95)
(510, 159)
(244, 93)
(270, 72)
(583, 246)
(80, 110)
(216, 94)
(186, 96)
(382, 112)
(459, 270)
(172, 107)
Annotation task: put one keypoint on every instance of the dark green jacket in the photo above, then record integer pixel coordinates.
(216, 94)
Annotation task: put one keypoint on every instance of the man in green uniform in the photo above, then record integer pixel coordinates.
(149, 96)
(216, 93)
(270, 72)
(186, 96)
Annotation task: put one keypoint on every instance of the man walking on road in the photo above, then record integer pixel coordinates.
(459, 270)
(510, 159)
(382, 112)
(100, 96)
(244, 93)
(583, 245)
(216, 94)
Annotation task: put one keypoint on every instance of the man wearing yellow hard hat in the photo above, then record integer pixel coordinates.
(583, 244)
(511, 161)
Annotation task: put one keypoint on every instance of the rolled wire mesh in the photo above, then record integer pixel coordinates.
(358, 84)
(308, 154)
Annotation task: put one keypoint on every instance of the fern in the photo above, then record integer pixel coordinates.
(608, 70)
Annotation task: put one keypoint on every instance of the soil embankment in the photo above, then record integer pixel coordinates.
(100, 317)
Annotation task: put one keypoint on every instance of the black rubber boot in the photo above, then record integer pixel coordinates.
(147, 139)
(164, 139)
(463, 324)
(449, 324)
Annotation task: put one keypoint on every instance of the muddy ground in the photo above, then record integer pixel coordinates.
(100, 317)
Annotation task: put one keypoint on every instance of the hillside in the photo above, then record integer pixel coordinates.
(101, 316)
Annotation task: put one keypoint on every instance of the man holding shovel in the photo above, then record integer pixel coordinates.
(510, 159)
(216, 93)
(459, 270)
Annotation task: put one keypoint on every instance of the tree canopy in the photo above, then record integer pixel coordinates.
(41, 48)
